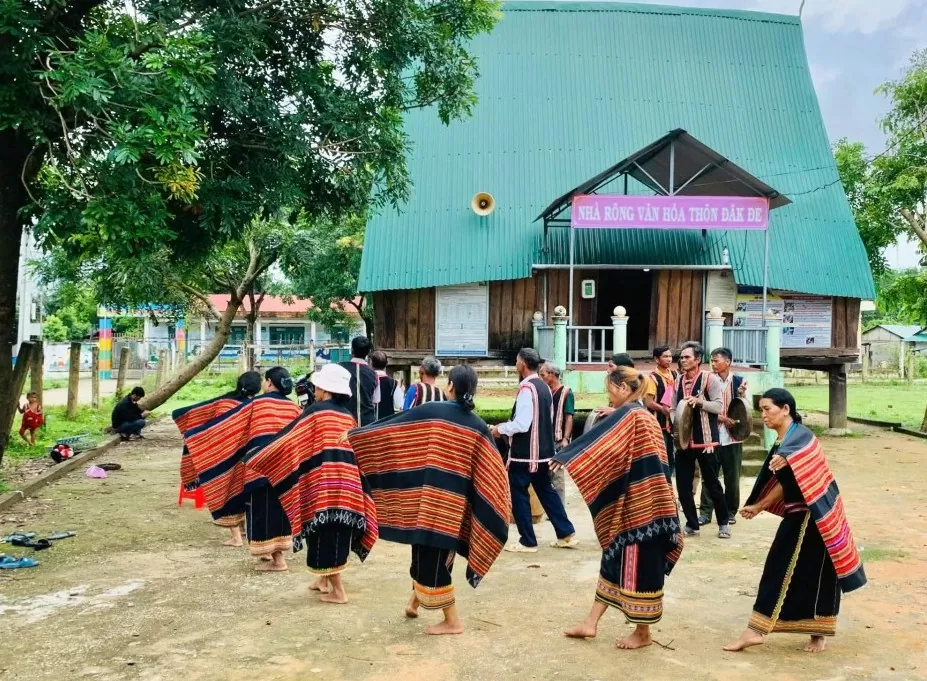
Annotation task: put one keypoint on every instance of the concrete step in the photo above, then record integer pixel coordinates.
(754, 452)
(751, 469)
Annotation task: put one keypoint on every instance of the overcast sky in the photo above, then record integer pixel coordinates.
(853, 47)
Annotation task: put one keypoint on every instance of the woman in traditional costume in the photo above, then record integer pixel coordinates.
(312, 470)
(620, 469)
(440, 485)
(217, 452)
(194, 416)
(813, 556)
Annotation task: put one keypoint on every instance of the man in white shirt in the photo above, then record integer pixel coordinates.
(530, 434)
(731, 452)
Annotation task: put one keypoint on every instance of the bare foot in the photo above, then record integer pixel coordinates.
(817, 645)
(445, 628)
(412, 607)
(748, 639)
(334, 597)
(640, 638)
(236, 543)
(582, 630)
(271, 567)
(320, 585)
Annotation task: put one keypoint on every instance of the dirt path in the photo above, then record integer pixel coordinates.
(58, 397)
(146, 592)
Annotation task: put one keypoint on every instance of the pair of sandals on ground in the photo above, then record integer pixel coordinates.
(28, 540)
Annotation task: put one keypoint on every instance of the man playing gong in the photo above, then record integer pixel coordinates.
(701, 392)
(731, 451)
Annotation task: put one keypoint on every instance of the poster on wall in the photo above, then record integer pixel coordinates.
(462, 321)
(806, 320)
(721, 291)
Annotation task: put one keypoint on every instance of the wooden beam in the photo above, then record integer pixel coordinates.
(73, 379)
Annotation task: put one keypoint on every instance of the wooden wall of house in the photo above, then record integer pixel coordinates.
(676, 307)
(512, 304)
(845, 323)
(585, 311)
(405, 319)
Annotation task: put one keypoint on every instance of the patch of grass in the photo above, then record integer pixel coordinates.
(54, 383)
(902, 402)
(58, 425)
(870, 555)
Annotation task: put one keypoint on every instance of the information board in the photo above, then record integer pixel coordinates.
(806, 320)
(721, 291)
(462, 321)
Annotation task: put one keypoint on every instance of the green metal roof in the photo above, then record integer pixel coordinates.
(568, 89)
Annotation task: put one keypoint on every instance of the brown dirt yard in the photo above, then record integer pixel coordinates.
(145, 591)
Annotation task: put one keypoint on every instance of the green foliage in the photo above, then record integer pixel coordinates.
(324, 264)
(166, 132)
(878, 225)
(54, 330)
(894, 304)
(907, 297)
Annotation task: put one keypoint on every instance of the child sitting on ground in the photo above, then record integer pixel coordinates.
(32, 417)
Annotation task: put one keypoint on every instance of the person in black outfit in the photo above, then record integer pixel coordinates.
(365, 388)
(128, 418)
(391, 395)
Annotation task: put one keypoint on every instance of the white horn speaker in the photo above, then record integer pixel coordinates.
(482, 204)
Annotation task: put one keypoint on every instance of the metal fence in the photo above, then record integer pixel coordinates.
(590, 344)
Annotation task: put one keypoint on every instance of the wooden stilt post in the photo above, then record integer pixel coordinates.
(73, 379)
(837, 393)
(95, 377)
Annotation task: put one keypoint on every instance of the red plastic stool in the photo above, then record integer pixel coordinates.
(199, 499)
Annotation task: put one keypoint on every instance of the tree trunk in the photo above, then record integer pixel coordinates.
(37, 370)
(250, 320)
(15, 164)
(73, 379)
(17, 381)
(924, 423)
(123, 368)
(95, 378)
(198, 363)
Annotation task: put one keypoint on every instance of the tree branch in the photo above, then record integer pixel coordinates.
(915, 224)
(202, 297)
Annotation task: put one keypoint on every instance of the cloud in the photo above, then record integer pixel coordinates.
(843, 16)
(824, 75)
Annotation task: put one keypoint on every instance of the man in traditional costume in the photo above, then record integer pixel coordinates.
(391, 395)
(564, 411)
(730, 451)
(658, 398)
(196, 415)
(440, 486)
(313, 472)
(531, 447)
(365, 387)
(702, 390)
(217, 452)
(813, 557)
(426, 390)
(620, 468)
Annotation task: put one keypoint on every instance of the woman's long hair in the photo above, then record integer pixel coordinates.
(464, 380)
(248, 385)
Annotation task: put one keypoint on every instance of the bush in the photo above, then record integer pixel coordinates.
(54, 330)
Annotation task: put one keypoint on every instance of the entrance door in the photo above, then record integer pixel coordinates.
(632, 290)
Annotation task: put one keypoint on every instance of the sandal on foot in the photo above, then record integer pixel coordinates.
(724, 533)
(518, 547)
(566, 543)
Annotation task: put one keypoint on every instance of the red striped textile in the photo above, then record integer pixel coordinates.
(314, 472)
(619, 468)
(194, 416)
(437, 480)
(803, 451)
(218, 447)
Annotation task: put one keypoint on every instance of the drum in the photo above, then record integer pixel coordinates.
(590, 421)
(741, 413)
(682, 425)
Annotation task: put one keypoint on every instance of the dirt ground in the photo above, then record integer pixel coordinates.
(145, 591)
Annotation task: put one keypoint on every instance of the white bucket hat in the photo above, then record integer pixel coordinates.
(333, 378)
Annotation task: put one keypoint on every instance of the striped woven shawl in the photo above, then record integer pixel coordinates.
(314, 473)
(619, 467)
(805, 455)
(194, 416)
(218, 447)
(438, 481)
